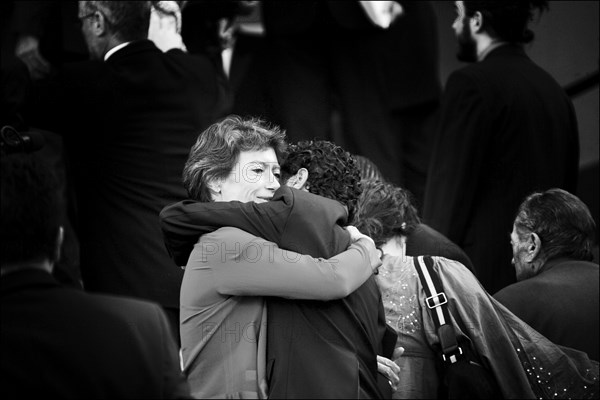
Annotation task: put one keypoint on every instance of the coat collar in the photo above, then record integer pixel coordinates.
(136, 47)
(26, 279)
(504, 50)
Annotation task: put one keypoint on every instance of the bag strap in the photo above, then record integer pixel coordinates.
(437, 301)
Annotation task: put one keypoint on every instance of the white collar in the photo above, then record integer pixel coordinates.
(114, 50)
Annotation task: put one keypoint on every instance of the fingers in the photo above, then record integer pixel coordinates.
(398, 351)
(390, 369)
(355, 234)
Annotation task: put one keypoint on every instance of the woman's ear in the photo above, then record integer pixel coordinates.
(215, 188)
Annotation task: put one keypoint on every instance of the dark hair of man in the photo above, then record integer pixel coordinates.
(507, 20)
(562, 222)
(217, 149)
(30, 215)
(384, 211)
(332, 171)
(128, 20)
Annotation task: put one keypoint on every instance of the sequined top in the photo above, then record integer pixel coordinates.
(525, 363)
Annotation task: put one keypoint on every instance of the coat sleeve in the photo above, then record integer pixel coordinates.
(183, 223)
(458, 157)
(245, 265)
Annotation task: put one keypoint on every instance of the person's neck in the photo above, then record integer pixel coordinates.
(44, 265)
(395, 246)
(485, 46)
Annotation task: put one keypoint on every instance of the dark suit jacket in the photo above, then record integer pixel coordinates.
(425, 241)
(60, 342)
(507, 129)
(561, 303)
(315, 349)
(409, 53)
(129, 124)
(300, 16)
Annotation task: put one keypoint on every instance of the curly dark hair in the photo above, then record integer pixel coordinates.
(384, 211)
(332, 171)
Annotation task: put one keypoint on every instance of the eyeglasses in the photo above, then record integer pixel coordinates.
(87, 16)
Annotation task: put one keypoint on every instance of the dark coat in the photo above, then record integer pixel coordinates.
(314, 349)
(129, 124)
(561, 303)
(60, 342)
(507, 129)
(425, 241)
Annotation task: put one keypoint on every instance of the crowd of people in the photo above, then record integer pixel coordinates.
(165, 234)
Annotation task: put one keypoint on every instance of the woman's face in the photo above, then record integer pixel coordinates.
(255, 177)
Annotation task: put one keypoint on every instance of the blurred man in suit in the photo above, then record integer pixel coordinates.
(506, 128)
(129, 116)
(58, 341)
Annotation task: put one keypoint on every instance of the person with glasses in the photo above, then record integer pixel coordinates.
(129, 117)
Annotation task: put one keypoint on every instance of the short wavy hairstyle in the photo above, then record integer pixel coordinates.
(332, 171)
(217, 149)
(562, 222)
(384, 211)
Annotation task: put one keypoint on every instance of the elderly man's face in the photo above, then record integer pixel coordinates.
(520, 260)
(88, 18)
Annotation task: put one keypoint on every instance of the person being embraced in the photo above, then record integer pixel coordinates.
(392, 208)
(223, 317)
(524, 363)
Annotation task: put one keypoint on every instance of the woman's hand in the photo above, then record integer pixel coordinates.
(390, 369)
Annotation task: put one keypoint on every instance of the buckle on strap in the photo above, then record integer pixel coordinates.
(433, 304)
(451, 351)
(452, 358)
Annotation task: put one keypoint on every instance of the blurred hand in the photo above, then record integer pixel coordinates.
(27, 49)
(164, 30)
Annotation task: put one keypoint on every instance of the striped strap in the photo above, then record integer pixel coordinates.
(438, 302)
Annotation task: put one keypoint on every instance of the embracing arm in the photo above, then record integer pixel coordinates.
(245, 265)
(183, 223)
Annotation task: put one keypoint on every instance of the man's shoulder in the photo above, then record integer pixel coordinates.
(518, 292)
(124, 307)
(311, 201)
(227, 234)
